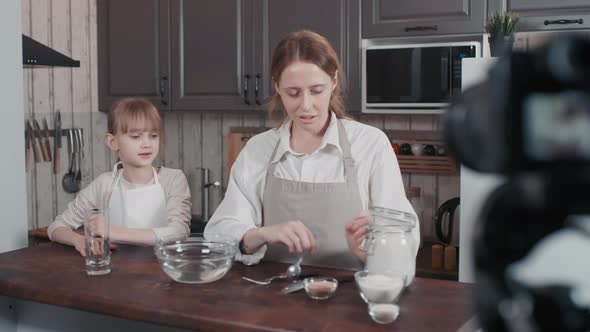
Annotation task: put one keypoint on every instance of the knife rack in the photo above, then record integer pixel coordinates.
(51, 132)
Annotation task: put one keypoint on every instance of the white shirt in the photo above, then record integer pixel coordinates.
(379, 176)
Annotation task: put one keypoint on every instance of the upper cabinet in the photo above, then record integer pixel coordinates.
(401, 18)
(212, 55)
(539, 15)
(337, 20)
(133, 58)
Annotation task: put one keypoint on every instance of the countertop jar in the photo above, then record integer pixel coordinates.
(389, 245)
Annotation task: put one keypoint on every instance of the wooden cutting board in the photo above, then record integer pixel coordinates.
(237, 139)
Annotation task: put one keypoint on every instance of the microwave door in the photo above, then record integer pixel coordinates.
(415, 77)
(435, 80)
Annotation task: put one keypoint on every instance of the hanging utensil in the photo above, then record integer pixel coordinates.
(57, 144)
(78, 178)
(38, 135)
(46, 144)
(36, 153)
(68, 180)
(27, 147)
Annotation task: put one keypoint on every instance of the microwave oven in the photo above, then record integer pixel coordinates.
(405, 78)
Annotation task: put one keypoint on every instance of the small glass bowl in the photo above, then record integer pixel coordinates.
(320, 288)
(383, 313)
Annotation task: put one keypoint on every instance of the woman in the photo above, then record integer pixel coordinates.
(304, 188)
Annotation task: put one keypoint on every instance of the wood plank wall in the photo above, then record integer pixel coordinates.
(192, 139)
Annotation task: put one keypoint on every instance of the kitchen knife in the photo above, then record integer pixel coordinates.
(27, 147)
(36, 153)
(37, 133)
(57, 144)
(46, 139)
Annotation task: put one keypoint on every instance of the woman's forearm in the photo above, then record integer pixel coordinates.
(253, 239)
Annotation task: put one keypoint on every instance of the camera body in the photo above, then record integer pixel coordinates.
(532, 114)
(530, 121)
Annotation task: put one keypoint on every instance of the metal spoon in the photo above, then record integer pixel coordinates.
(293, 271)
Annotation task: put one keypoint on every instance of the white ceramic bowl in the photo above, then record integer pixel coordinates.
(196, 260)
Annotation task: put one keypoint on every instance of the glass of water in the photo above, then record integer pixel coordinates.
(96, 235)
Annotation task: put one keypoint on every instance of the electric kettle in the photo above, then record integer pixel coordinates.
(446, 208)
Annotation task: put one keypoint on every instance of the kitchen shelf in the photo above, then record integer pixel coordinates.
(427, 164)
(440, 165)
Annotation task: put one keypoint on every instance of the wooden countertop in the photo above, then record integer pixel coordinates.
(138, 289)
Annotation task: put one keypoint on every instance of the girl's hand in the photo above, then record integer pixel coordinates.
(293, 234)
(80, 245)
(356, 231)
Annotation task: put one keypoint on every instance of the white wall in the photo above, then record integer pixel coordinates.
(13, 198)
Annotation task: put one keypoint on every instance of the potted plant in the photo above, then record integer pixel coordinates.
(500, 27)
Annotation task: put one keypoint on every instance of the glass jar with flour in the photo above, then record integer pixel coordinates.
(389, 244)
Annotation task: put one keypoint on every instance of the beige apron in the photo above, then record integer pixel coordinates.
(323, 207)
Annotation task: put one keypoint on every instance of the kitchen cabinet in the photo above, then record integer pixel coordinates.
(337, 20)
(541, 15)
(212, 55)
(401, 18)
(133, 51)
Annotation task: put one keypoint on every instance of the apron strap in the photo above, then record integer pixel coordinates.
(349, 163)
(116, 175)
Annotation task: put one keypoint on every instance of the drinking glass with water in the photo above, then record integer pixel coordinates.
(96, 234)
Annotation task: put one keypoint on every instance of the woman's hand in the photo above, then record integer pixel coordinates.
(293, 234)
(356, 231)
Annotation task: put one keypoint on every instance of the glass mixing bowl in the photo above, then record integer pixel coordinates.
(196, 260)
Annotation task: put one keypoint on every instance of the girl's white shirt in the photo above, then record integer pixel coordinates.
(379, 177)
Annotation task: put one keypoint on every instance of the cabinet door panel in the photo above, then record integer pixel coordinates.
(537, 5)
(133, 51)
(208, 39)
(394, 18)
(330, 18)
(539, 15)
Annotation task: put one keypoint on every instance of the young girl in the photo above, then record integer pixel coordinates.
(145, 204)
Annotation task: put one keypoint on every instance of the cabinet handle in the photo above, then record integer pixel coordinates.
(422, 28)
(256, 89)
(163, 88)
(246, 99)
(579, 21)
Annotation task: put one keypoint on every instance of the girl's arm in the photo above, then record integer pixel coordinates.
(143, 236)
(62, 228)
(69, 237)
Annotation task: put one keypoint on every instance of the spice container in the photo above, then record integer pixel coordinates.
(320, 288)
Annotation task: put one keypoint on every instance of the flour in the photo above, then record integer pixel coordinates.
(378, 288)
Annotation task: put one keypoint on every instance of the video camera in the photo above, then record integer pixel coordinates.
(530, 121)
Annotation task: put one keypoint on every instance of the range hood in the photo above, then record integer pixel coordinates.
(35, 53)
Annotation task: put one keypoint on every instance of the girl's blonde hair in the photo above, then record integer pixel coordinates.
(308, 46)
(133, 114)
